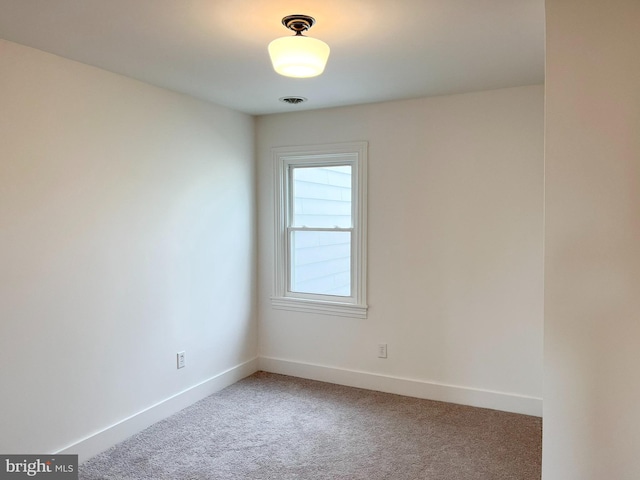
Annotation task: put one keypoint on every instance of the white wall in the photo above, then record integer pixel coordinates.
(127, 234)
(592, 241)
(455, 247)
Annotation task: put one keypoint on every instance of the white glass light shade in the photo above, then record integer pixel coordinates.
(298, 56)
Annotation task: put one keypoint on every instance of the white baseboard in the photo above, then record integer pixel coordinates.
(507, 402)
(102, 440)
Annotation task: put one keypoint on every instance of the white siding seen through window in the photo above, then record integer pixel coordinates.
(321, 260)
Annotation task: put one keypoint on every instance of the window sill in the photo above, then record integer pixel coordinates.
(315, 306)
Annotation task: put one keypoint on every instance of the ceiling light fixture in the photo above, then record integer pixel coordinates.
(298, 56)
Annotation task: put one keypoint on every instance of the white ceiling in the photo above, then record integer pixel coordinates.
(217, 49)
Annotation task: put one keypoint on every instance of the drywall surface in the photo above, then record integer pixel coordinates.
(592, 241)
(127, 235)
(455, 214)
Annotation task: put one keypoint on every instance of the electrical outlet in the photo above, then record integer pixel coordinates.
(382, 350)
(182, 362)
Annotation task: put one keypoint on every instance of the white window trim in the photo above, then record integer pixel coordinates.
(284, 158)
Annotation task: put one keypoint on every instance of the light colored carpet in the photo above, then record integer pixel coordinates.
(277, 427)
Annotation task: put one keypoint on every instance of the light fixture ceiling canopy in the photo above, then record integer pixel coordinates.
(298, 23)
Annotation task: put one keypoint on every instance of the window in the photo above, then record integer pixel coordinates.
(320, 258)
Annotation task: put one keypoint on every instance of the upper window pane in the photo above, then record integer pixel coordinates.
(321, 196)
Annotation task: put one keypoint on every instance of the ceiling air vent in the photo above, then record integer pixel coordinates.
(293, 100)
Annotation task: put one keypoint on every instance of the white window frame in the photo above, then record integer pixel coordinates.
(286, 158)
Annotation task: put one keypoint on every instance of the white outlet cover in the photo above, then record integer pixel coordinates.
(181, 358)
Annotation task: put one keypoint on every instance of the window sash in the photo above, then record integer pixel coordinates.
(291, 194)
(290, 199)
(290, 264)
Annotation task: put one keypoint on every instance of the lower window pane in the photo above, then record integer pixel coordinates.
(321, 263)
